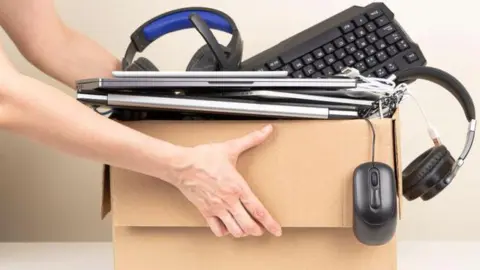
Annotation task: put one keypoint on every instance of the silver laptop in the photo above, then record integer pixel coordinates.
(157, 84)
(222, 106)
(275, 95)
(200, 74)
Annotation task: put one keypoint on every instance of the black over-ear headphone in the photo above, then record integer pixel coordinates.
(210, 57)
(434, 169)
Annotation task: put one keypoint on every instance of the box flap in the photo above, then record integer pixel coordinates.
(398, 161)
(302, 173)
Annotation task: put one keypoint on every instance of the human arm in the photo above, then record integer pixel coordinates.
(205, 174)
(52, 46)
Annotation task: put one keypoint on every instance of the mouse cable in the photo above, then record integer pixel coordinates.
(373, 139)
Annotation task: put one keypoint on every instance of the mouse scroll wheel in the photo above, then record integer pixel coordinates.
(374, 179)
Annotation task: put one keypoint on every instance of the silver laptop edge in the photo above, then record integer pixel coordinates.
(209, 106)
(91, 84)
(199, 74)
(289, 95)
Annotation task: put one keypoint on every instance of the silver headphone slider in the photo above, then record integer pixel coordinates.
(473, 125)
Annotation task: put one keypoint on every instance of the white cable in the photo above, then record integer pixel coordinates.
(432, 131)
(370, 84)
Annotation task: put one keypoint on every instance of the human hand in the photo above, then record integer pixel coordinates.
(207, 176)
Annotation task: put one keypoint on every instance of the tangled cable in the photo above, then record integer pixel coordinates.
(389, 94)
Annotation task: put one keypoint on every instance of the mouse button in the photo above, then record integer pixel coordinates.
(374, 178)
(361, 193)
(388, 185)
(375, 201)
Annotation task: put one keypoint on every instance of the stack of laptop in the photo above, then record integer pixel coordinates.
(226, 95)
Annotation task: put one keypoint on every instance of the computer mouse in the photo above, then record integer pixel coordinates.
(374, 203)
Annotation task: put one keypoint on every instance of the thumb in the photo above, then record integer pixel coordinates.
(250, 140)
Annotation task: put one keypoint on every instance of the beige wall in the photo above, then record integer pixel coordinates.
(40, 201)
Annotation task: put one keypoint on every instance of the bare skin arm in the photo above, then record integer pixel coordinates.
(50, 45)
(41, 112)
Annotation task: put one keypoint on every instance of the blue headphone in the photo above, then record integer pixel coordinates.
(210, 57)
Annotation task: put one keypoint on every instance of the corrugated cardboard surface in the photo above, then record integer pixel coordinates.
(298, 249)
(303, 175)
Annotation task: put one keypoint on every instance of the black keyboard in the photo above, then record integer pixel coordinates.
(366, 38)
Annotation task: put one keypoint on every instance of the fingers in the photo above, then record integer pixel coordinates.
(231, 224)
(244, 220)
(250, 140)
(260, 213)
(217, 227)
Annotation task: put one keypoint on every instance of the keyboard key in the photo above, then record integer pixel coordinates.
(261, 69)
(359, 55)
(351, 48)
(370, 27)
(291, 54)
(347, 27)
(381, 72)
(338, 66)
(340, 53)
(360, 32)
(298, 74)
(373, 14)
(380, 45)
(360, 20)
(402, 45)
(392, 38)
(318, 53)
(349, 61)
(382, 32)
(371, 61)
(411, 57)
(372, 38)
(361, 43)
(309, 70)
(297, 64)
(319, 64)
(330, 59)
(317, 75)
(329, 48)
(274, 64)
(381, 56)
(308, 59)
(381, 21)
(350, 37)
(370, 50)
(360, 66)
(287, 68)
(339, 42)
(392, 50)
(328, 71)
(391, 67)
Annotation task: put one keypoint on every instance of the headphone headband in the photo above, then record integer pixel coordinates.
(186, 18)
(459, 91)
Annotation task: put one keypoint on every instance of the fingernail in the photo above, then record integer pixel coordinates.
(267, 128)
(277, 231)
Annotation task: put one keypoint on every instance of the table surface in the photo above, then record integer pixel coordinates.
(98, 256)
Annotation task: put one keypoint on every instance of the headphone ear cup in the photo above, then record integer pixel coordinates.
(142, 64)
(204, 60)
(424, 177)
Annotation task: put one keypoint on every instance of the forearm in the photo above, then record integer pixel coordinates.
(69, 56)
(52, 46)
(55, 119)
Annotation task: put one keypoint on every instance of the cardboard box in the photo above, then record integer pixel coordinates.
(303, 175)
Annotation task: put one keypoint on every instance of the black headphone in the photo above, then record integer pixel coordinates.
(434, 169)
(210, 57)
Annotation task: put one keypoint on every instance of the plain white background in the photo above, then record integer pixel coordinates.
(42, 201)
